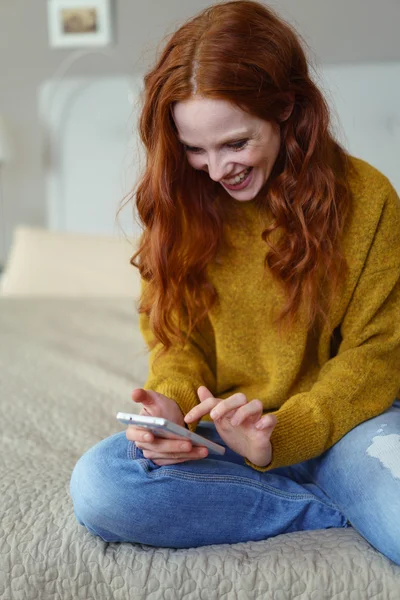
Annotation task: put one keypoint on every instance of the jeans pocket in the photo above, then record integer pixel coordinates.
(135, 453)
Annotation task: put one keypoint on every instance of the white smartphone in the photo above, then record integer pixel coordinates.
(167, 429)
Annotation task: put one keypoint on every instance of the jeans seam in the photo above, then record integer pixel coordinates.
(236, 480)
(131, 451)
(145, 463)
(133, 454)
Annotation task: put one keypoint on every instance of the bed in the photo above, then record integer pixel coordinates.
(69, 359)
(71, 352)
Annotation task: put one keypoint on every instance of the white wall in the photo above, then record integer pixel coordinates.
(366, 103)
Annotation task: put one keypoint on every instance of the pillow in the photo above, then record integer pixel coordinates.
(48, 263)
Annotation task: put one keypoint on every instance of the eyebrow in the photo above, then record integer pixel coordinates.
(233, 137)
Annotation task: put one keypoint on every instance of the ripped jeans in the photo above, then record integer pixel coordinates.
(123, 497)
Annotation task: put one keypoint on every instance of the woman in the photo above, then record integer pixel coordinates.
(270, 262)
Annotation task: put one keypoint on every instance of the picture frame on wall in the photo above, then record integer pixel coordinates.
(79, 23)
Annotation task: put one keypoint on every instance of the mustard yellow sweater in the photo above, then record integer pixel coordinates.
(317, 389)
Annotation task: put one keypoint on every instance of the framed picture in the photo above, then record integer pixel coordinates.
(79, 23)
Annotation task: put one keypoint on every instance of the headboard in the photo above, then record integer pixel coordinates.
(91, 149)
(90, 152)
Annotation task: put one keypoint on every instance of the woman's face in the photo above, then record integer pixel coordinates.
(235, 148)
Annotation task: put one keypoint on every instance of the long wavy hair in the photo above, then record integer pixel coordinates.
(244, 53)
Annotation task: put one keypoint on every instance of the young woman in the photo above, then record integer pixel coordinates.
(270, 262)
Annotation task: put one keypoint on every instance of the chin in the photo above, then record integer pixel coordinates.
(245, 199)
(247, 195)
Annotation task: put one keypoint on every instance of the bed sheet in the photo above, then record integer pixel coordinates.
(66, 368)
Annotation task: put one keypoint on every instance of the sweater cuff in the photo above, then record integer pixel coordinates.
(184, 394)
(256, 467)
(293, 430)
(293, 439)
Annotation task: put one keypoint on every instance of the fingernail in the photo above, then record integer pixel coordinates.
(214, 414)
(234, 422)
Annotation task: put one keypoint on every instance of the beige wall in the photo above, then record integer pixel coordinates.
(340, 31)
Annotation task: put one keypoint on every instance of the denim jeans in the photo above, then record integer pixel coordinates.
(123, 497)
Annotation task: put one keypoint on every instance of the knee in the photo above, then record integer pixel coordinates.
(97, 488)
(386, 537)
(383, 455)
(387, 531)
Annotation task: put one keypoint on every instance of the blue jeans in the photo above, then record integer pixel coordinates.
(123, 497)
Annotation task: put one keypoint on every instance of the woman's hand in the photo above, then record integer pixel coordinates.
(162, 451)
(240, 424)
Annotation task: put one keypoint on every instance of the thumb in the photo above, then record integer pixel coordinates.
(141, 395)
(204, 393)
(146, 397)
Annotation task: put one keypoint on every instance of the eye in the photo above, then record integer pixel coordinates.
(192, 149)
(238, 145)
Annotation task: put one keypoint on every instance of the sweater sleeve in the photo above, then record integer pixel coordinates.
(363, 379)
(182, 370)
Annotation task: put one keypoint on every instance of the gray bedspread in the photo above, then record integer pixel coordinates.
(66, 368)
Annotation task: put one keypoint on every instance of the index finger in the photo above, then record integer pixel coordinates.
(200, 410)
(139, 434)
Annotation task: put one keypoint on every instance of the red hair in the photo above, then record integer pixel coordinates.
(244, 53)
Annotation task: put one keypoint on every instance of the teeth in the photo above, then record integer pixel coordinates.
(238, 178)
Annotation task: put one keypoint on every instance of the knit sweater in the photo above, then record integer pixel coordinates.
(318, 386)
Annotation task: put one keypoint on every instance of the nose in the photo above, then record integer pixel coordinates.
(216, 168)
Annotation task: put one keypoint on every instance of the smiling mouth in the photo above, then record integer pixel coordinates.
(239, 178)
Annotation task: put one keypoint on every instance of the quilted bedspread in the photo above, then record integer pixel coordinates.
(66, 368)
